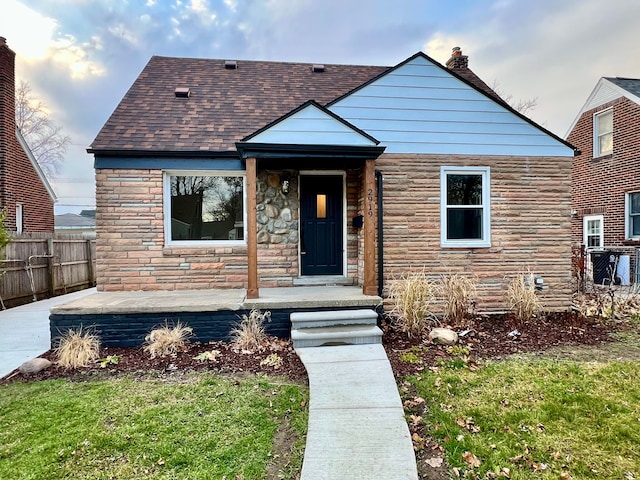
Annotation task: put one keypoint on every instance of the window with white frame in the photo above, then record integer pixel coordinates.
(19, 217)
(633, 215)
(465, 215)
(202, 207)
(603, 133)
(593, 232)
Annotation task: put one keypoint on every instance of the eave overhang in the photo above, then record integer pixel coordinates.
(288, 151)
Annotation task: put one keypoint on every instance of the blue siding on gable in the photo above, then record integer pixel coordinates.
(311, 126)
(420, 108)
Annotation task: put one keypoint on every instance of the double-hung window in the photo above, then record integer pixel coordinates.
(603, 133)
(204, 207)
(633, 215)
(593, 232)
(465, 215)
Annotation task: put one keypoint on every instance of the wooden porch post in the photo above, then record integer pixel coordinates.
(369, 287)
(252, 231)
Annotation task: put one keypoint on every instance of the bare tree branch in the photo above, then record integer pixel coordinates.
(522, 106)
(45, 139)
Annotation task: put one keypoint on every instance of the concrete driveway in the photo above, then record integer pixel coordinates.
(24, 330)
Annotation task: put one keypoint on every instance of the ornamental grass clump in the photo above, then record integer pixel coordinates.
(77, 348)
(522, 297)
(459, 292)
(250, 333)
(167, 340)
(413, 295)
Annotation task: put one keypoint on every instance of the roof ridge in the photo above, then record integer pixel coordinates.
(275, 62)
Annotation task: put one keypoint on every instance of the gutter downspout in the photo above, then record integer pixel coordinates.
(380, 235)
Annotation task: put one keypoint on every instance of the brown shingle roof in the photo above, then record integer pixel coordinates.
(225, 105)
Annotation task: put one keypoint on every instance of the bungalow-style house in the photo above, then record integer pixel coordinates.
(253, 174)
(606, 178)
(26, 197)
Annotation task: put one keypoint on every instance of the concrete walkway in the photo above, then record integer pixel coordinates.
(357, 428)
(24, 330)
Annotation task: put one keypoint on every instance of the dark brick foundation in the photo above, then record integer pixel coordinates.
(129, 330)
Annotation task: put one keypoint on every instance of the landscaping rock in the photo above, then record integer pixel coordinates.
(443, 336)
(34, 365)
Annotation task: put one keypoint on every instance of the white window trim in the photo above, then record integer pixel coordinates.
(627, 213)
(585, 220)
(485, 241)
(596, 142)
(166, 208)
(19, 217)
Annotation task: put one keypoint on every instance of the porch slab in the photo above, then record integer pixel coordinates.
(123, 319)
(217, 300)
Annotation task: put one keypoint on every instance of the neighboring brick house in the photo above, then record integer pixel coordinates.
(25, 194)
(251, 174)
(606, 175)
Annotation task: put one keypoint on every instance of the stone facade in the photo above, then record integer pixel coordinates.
(530, 228)
(530, 224)
(131, 250)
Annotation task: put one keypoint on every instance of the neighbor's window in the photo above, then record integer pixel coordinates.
(19, 217)
(465, 213)
(603, 133)
(633, 215)
(202, 207)
(593, 232)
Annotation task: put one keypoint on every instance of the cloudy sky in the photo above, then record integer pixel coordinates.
(81, 56)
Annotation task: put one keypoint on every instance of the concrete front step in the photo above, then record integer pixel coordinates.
(336, 335)
(300, 320)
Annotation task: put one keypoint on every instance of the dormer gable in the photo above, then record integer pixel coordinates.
(311, 124)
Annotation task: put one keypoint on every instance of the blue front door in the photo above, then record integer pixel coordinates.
(321, 224)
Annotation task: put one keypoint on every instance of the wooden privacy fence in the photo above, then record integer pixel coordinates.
(36, 266)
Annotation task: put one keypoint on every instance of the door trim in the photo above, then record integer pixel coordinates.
(333, 173)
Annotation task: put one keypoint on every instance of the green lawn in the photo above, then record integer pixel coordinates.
(206, 427)
(545, 419)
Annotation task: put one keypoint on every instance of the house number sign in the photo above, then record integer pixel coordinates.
(370, 199)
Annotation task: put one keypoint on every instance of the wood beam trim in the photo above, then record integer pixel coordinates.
(369, 285)
(252, 231)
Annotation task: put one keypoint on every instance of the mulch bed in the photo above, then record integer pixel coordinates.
(134, 360)
(488, 337)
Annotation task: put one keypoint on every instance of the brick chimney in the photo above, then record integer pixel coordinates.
(7, 94)
(7, 115)
(457, 60)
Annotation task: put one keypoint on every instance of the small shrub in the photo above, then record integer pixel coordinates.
(522, 297)
(410, 357)
(108, 360)
(273, 360)
(249, 333)
(412, 296)
(167, 340)
(77, 348)
(459, 293)
(211, 355)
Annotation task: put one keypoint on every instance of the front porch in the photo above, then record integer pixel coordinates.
(124, 318)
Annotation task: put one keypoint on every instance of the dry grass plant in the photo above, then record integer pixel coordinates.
(522, 297)
(249, 333)
(413, 295)
(77, 348)
(459, 292)
(167, 340)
